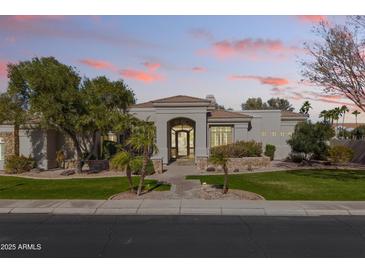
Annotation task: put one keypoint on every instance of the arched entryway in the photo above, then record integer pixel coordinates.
(181, 136)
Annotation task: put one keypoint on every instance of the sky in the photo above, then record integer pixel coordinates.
(231, 57)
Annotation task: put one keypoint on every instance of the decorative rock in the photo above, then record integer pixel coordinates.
(68, 172)
(210, 168)
(158, 165)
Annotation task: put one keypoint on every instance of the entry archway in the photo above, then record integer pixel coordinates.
(181, 136)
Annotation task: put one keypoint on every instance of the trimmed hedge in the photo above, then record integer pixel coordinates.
(270, 151)
(240, 149)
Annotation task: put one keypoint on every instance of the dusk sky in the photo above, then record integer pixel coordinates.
(231, 57)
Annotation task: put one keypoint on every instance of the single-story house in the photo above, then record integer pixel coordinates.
(187, 127)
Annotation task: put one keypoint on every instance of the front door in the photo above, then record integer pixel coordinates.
(182, 143)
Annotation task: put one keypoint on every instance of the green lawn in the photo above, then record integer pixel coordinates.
(324, 184)
(90, 188)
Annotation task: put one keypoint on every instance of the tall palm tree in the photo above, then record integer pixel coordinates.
(305, 108)
(143, 139)
(325, 115)
(343, 110)
(122, 161)
(356, 113)
(336, 116)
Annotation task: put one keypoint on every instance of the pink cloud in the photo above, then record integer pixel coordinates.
(98, 64)
(199, 69)
(146, 77)
(151, 66)
(248, 48)
(273, 81)
(59, 27)
(3, 68)
(312, 19)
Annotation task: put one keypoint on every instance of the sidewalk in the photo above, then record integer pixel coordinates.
(182, 207)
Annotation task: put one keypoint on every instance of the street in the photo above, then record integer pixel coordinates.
(47, 235)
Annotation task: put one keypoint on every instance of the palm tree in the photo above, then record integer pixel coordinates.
(305, 108)
(356, 112)
(336, 112)
(143, 139)
(219, 157)
(122, 161)
(343, 110)
(325, 115)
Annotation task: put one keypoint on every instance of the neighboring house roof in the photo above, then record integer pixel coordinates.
(347, 125)
(178, 99)
(223, 114)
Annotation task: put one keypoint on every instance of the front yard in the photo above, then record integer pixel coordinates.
(312, 184)
(12, 187)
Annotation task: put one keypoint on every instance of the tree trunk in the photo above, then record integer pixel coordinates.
(78, 154)
(343, 125)
(129, 177)
(225, 184)
(16, 139)
(143, 172)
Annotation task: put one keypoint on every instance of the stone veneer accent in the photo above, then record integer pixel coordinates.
(201, 162)
(246, 162)
(236, 163)
(158, 165)
(9, 143)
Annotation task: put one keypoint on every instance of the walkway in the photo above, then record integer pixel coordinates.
(181, 188)
(183, 207)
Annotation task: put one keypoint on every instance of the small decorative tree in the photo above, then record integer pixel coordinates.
(219, 156)
(143, 140)
(122, 161)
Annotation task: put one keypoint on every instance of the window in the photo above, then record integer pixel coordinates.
(220, 136)
(2, 149)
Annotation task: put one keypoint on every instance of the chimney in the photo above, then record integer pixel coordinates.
(211, 98)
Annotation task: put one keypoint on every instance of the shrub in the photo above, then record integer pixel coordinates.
(240, 149)
(60, 158)
(270, 151)
(311, 140)
(137, 163)
(110, 148)
(340, 154)
(18, 164)
(296, 157)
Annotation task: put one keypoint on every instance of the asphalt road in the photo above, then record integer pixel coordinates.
(33, 235)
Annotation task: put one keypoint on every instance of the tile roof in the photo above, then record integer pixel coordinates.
(290, 114)
(223, 114)
(172, 99)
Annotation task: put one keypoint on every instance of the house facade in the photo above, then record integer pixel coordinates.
(187, 127)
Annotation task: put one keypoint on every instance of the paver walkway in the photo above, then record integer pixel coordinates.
(181, 188)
